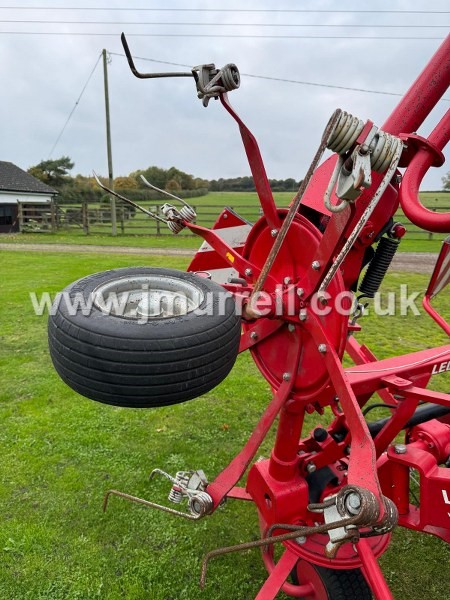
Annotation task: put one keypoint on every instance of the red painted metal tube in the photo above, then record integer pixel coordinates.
(372, 571)
(409, 190)
(423, 95)
(284, 457)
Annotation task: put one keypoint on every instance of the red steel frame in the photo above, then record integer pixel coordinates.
(279, 485)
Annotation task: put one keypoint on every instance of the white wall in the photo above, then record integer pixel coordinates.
(15, 197)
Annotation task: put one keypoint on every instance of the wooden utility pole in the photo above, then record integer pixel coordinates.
(108, 145)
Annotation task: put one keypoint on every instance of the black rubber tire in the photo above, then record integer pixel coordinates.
(347, 584)
(123, 362)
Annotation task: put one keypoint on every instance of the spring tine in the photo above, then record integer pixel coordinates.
(165, 192)
(172, 511)
(136, 73)
(268, 541)
(164, 474)
(128, 201)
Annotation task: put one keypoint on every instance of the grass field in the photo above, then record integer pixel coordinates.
(60, 452)
(208, 207)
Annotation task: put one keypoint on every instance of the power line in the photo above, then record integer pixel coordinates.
(296, 81)
(75, 106)
(233, 10)
(215, 35)
(197, 24)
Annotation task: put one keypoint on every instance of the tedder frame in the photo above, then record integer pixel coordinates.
(330, 497)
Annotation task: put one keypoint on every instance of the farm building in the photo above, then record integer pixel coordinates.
(25, 202)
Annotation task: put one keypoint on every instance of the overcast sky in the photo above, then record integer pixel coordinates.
(161, 122)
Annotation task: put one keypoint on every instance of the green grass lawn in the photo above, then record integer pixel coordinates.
(60, 452)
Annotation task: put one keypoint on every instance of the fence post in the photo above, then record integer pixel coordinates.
(430, 235)
(158, 223)
(52, 216)
(85, 217)
(20, 215)
(122, 219)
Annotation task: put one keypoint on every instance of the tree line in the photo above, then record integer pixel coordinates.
(73, 189)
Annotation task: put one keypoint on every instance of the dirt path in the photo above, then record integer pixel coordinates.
(413, 262)
(98, 249)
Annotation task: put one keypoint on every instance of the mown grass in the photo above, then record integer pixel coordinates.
(60, 452)
(166, 241)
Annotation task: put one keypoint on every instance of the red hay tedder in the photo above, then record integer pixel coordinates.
(288, 289)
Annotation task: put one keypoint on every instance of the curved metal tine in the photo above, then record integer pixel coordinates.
(165, 192)
(164, 474)
(148, 75)
(148, 504)
(128, 201)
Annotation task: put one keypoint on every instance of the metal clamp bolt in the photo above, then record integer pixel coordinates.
(353, 503)
(400, 449)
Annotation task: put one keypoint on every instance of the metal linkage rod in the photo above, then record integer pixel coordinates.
(363, 220)
(294, 208)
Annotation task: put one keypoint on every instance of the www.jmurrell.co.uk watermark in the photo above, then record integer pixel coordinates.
(136, 306)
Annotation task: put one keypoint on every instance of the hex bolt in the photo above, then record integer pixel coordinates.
(248, 272)
(287, 280)
(353, 503)
(322, 348)
(301, 539)
(400, 449)
(286, 376)
(291, 327)
(323, 300)
(311, 467)
(274, 232)
(302, 315)
(315, 265)
(300, 292)
(254, 335)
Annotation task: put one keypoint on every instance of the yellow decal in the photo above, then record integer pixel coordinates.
(230, 257)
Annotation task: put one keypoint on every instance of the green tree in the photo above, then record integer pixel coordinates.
(125, 183)
(173, 186)
(446, 182)
(53, 172)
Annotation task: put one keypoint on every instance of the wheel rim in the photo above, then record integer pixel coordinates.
(147, 297)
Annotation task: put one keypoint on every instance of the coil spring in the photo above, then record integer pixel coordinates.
(201, 504)
(175, 494)
(230, 77)
(185, 213)
(346, 133)
(386, 249)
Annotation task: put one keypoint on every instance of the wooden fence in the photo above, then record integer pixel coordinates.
(96, 219)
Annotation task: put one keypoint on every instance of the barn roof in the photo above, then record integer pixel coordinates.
(14, 179)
